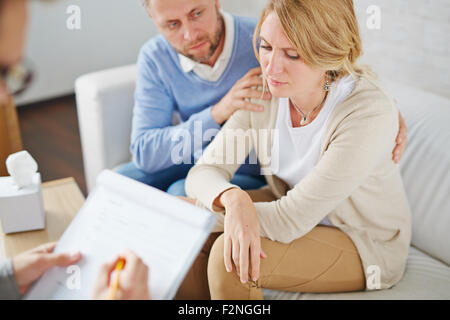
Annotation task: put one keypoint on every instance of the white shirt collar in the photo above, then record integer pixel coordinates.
(213, 73)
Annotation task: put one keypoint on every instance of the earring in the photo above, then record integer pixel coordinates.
(327, 84)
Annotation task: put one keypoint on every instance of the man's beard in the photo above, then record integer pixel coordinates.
(215, 42)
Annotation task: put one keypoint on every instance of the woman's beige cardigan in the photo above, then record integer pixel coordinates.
(356, 183)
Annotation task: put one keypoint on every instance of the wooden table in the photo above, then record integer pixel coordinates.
(62, 201)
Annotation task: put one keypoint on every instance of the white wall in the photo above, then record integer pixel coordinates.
(251, 8)
(412, 46)
(112, 31)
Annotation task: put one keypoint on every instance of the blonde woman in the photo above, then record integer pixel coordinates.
(335, 210)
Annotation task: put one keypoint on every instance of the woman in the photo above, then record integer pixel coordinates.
(334, 211)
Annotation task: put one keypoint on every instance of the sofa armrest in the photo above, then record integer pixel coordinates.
(105, 105)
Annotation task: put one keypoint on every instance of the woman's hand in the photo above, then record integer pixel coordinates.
(31, 265)
(242, 242)
(133, 281)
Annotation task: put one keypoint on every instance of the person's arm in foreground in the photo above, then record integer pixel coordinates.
(17, 274)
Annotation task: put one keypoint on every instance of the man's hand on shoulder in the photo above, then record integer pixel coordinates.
(239, 97)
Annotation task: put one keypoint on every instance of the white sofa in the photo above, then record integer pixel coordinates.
(105, 102)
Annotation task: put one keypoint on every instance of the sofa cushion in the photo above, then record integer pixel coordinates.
(104, 105)
(425, 167)
(424, 278)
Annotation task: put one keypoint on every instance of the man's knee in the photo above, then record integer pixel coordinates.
(177, 188)
(161, 179)
(131, 171)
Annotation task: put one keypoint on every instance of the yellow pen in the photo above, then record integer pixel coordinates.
(114, 286)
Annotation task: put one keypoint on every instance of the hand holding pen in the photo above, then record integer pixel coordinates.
(124, 278)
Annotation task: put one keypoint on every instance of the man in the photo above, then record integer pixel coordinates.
(193, 69)
(202, 66)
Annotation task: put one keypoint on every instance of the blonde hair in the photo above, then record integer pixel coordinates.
(325, 34)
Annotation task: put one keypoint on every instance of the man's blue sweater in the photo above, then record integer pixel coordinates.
(162, 88)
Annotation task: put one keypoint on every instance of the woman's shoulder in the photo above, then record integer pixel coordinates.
(367, 107)
(369, 96)
(267, 117)
(258, 119)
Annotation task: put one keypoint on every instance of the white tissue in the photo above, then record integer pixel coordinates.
(21, 167)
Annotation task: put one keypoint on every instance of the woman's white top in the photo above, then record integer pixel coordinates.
(297, 149)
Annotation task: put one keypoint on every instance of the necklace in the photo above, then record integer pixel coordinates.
(304, 119)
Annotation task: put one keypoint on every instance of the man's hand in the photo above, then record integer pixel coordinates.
(400, 140)
(239, 95)
(133, 281)
(31, 265)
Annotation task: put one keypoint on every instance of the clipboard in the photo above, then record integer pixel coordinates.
(164, 231)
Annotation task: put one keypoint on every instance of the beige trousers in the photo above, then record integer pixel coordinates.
(323, 260)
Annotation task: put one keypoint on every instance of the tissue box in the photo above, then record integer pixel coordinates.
(21, 210)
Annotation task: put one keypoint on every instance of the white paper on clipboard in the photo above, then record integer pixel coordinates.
(165, 232)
